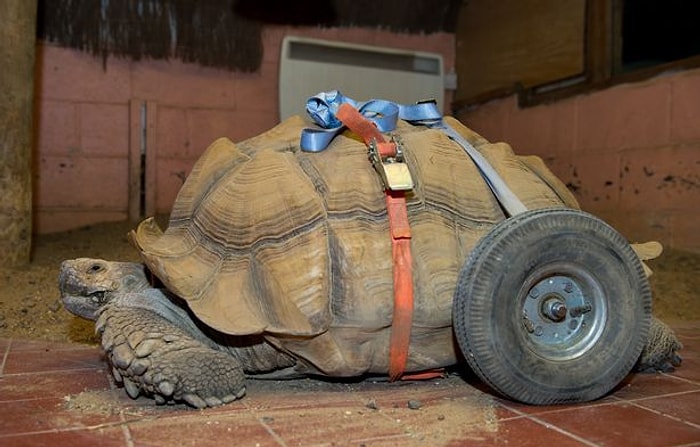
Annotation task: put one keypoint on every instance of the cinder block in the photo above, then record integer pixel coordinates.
(172, 132)
(256, 122)
(363, 36)
(661, 179)
(50, 220)
(66, 74)
(258, 91)
(433, 43)
(544, 130)
(628, 116)
(206, 125)
(100, 183)
(176, 83)
(685, 106)
(640, 226)
(272, 42)
(489, 120)
(273, 36)
(56, 128)
(595, 180)
(104, 129)
(562, 166)
(170, 176)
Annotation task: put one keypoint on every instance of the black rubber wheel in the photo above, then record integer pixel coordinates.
(551, 307)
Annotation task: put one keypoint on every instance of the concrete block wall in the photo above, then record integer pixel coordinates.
(630, 153)
(88, 118)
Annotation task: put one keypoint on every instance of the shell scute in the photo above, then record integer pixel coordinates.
(232, 257)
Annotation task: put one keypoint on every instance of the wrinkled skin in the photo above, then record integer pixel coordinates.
(86, 285)
(155, 347)
(661, 350)
(159, 349)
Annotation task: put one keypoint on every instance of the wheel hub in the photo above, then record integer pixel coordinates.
(558, 318)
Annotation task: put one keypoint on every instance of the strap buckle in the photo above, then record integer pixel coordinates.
(390, 165)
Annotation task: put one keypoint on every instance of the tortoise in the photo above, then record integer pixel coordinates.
(276, 263)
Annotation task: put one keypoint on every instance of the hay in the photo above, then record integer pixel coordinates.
(219, 33)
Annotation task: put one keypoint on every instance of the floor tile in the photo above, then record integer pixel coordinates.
(262, 401)
(689, 370)
(639, 386)
(40, 415)
(241, 430)
(531, 410)
(51, 359)
(623, 424)
(316, 426)
(52, 384)
(108, 437)
(685, 406)
(690, 367)
(521, 432)
(43, 345)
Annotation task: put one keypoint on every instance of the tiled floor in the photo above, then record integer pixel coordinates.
(61, 394)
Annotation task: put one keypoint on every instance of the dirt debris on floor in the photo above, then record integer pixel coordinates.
(30, 306)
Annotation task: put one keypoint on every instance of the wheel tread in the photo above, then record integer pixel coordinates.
(474, 333)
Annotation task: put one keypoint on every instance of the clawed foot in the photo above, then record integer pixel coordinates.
(661, 351)
(153, 357)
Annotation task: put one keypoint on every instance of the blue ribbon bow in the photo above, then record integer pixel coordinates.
(322, 108)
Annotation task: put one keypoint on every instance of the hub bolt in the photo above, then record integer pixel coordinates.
(554, 308)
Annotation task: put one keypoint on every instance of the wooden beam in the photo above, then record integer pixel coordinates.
(17, 54)
(513, 44)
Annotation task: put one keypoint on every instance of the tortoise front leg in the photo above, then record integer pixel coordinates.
(153, 356)
(661, 350)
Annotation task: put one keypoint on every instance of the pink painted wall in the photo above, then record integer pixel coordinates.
(630, 153)
(84, 115)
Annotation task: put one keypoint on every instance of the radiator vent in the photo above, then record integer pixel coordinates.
(362, 72)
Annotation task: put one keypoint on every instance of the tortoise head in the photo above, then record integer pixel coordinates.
(86, 284)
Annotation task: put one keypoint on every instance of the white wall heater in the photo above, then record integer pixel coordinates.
(361, 72)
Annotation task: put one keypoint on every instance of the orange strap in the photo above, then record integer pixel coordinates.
(400, 245)
(403, 282)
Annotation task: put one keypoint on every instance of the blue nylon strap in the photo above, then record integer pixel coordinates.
(323, 107)
(385, 114)
(500, 189)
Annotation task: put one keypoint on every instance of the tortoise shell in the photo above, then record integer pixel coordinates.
(267, 239)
